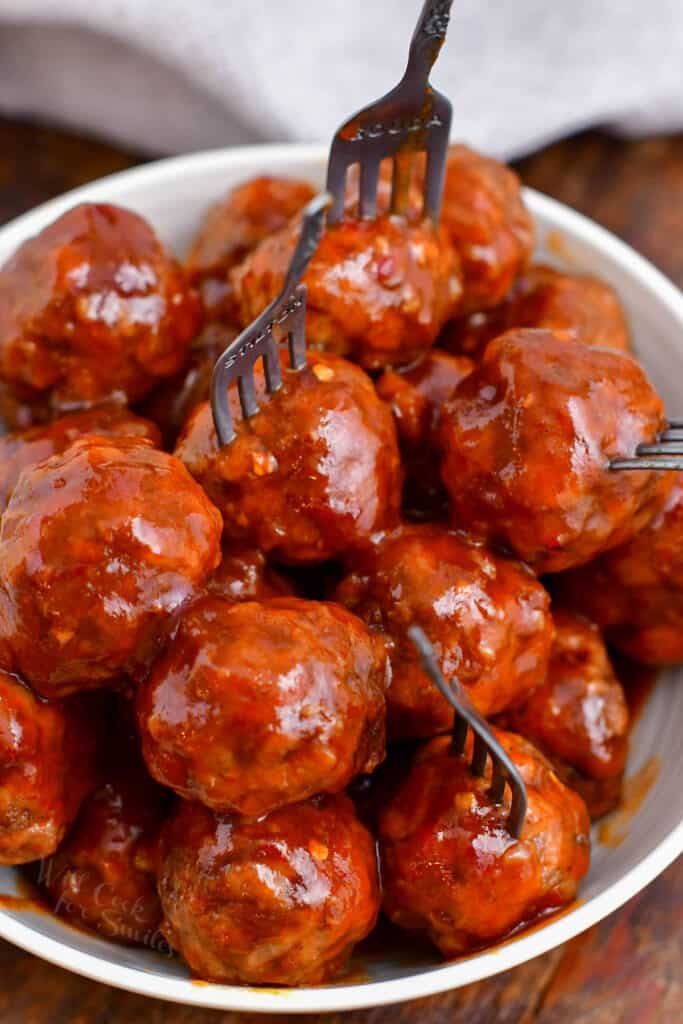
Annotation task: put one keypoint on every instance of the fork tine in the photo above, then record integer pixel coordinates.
(437, 151)
(663, 447)
(518, 809)
(484, 738)
(336, 183)
(675, 425)
(296, 339)
(648, 462)
(478, 766)
(497, 790)
(400, 183)
(247, 391)
(271, 366)
(459, 738)
(220, 404)
(367, 189)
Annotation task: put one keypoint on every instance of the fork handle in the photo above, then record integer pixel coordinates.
(312, 226)
(428, 38)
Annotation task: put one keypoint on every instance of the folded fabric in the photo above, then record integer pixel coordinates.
(173, 75)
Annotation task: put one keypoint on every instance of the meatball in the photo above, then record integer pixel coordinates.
(379, 291)
(102, 877)
(527, 441)
(175, 400)
(416, 394)
(280, 901)
(244, 575)
(100, 549)
(93, 307)
(233, 227)
(635, 591)
(260, 704)
(488, 224)
(583, 306)
(451, 868)
(579, 716)
(314, 474)
(486, 616)
(28, 447)
(48, 765)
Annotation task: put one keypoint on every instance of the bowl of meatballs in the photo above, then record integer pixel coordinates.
(225, 777)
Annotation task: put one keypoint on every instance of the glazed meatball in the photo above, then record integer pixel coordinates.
(257, 705)
(28, 447)
(313, 475)
(583, 306)
(527, 441)
(579, 716)
(244, 575)
(379, 291)
(102, 877)
(48, 765)
(93, 307)
(174, 401)
(416, 394)
(100, 549)
(488, 224)
(451, 868)
(486, 616)
(635, 591)
(233, 227)
(281, 900)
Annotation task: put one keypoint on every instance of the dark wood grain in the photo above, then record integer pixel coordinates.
(629, 968)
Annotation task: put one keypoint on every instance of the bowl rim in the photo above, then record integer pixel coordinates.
(427, 982)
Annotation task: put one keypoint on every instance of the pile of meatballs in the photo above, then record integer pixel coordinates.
(214, 729)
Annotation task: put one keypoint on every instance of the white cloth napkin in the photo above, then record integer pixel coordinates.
(173, 75)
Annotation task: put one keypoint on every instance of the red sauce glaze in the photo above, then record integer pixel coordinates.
(541, 296)
(102, 877)
(244, 575)
(313, 475)
(233, 227)
(48, 765)
(579, 716)
(379, 291)
(173, 402)
(257, 705)
(451, 868)
(29, 447)
(487, 617)
(635, 591)
(526, 444)
(416, 394)
(100, 549)
(279, 901)
(488, 224)
(94, 307)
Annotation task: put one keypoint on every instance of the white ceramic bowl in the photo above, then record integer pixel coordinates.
(173, 194)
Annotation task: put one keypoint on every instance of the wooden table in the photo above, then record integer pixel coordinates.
(629, 968)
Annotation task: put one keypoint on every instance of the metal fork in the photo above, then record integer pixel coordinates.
(665, 453)
(485, 743)
(412, 118)
(287, 314)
